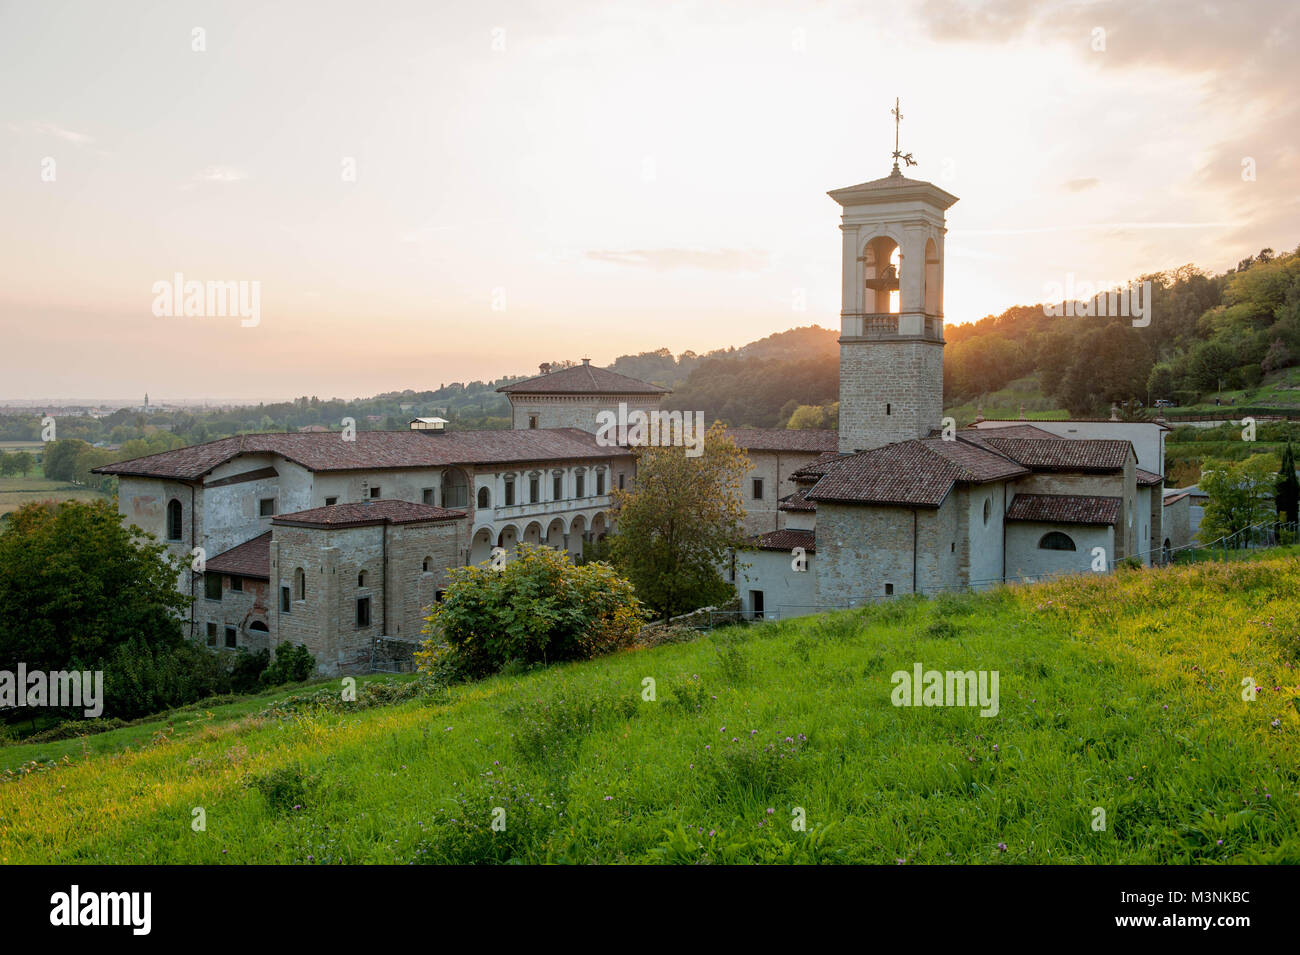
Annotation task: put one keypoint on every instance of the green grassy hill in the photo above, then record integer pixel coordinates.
(1116, 692)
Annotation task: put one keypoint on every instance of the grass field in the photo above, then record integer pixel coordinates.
(17, 491)
(1117, 693)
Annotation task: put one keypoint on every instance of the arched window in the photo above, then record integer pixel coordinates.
(484, 497)
(361, 578)
(988, 510)
(1055, 540)
(299, 584)
(173, 520)
(455, 492)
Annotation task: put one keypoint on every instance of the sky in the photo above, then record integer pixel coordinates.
(425, 192)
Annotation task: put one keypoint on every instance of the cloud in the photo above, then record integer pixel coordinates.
(50, 129)
(661, 260)
(1079, 185)
(220, 174)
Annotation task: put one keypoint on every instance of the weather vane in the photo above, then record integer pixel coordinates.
(906, 157)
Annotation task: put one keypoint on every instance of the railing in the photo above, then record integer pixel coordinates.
(885, 325)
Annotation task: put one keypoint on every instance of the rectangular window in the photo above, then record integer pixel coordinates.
(580, 490)
(212, 586)
(758, 489)
(237, 584)
(889, 590)
(285, 601)
(331, 501)
(212, 634)
(266, 507)
(363, 611)
(600, 482)
(438, 595)
(427, 496)
(621, 475)
(232, 638)
(374, 491)
(756, 604)
(532, 421)
(510, 493)
(557, 487)
(534, 490)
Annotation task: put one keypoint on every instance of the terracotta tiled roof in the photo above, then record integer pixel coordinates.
(583, 380)
(996, 421)
(249, 559)
(366, 513)
(786, 540)
(919, 473)
(373, 450)
(810, 473)
(1175, 498)
(1065, 454)
(1063, 509)
(798, 501)
(1010, 431)
(1147, 478)
(814, 440)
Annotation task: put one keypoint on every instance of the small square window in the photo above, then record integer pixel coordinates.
(232, 638)
(331, 501)
(437, 597)
(266, 507)
(212, 586)
(374, 491)
(212, 634)
(426, 496)
(237, 584)
(363, 612)
(889, 590)
(532, 421)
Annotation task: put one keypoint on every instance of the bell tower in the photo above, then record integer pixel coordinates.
(891, 318)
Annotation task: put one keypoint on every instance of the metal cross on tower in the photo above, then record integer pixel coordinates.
(906, 157)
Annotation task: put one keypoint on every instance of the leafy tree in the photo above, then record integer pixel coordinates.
(1242, 493)
(24, 462)
(75, 583)
(1288, 488)
(292, 664)
(539, 608)
(678, 523)
(61, 458)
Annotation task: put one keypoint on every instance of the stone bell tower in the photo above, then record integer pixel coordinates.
(891, 320)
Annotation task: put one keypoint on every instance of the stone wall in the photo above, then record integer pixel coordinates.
(565, 411)
(889, 391)
(774, 469)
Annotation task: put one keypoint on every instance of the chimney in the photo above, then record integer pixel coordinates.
(545, 367)
(586, 361)
(979, 413)
(1022, 412)
(1114, 411)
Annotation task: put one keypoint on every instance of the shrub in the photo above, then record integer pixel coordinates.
(292, 664)
(539, 608)
(246, 671)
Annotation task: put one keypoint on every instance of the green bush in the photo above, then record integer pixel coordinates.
(292, 664)
(538, 608)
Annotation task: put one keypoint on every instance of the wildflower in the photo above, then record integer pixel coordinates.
(1002, 847)
(608, 798)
